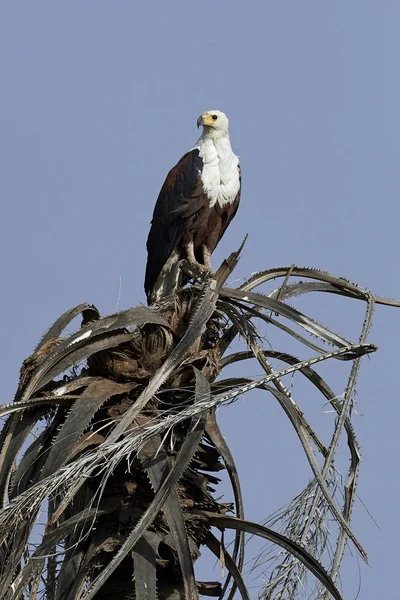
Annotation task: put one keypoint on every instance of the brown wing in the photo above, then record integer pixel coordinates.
(177, 202)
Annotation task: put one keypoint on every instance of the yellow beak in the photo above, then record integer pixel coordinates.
(205, 119)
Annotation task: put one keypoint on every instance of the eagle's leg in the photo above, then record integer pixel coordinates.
(194, 264)
(189, 247)
(206, 257)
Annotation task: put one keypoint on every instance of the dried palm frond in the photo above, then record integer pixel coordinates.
(128, 446)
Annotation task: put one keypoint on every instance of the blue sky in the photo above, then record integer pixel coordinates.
(99, 100)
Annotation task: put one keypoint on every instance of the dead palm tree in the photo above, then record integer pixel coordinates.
(115, 494)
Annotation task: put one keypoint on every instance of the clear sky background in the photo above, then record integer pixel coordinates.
(99, 99)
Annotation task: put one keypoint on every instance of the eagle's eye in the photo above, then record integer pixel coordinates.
(214, 117)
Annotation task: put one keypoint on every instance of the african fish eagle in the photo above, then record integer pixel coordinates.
(198, 200)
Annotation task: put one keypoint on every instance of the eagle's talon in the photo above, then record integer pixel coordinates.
(204, 270)
(201, 268)
(205, 274)
(196, 271)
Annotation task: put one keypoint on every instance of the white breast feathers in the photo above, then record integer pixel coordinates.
(220, 174)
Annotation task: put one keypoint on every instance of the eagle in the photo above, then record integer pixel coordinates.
(198, 200)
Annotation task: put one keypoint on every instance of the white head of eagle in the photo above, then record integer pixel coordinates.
(198, 200)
